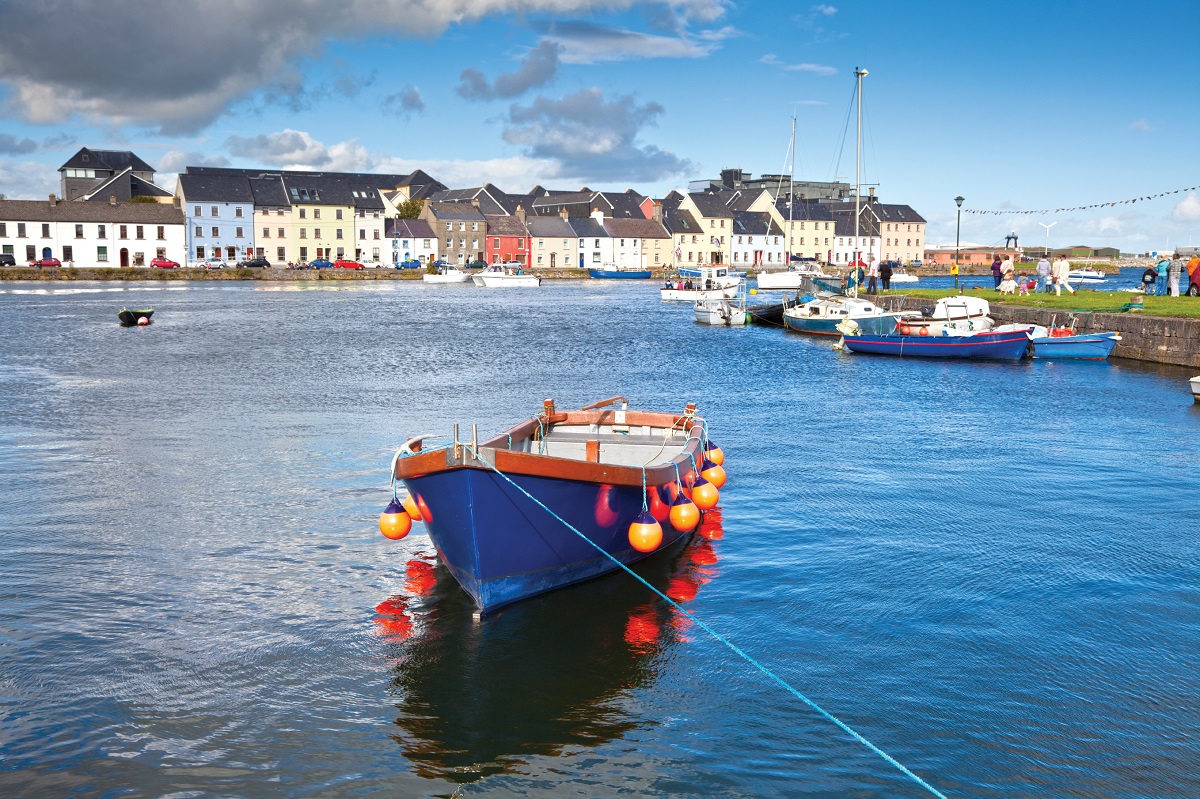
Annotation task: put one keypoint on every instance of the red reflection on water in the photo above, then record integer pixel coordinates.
(393, 606)
(420, 578)
(394, 627)
(702, 553)
(682, 588)
(711, 526)
(642, 629)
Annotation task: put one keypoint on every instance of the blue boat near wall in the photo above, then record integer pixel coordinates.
(1006, 345)
(620, 274)
(1063, 344)
(585, 466)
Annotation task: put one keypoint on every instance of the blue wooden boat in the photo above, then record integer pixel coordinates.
(585, 465)
(989, 345)
(821, 315)
(1063, 344)
(620, 274)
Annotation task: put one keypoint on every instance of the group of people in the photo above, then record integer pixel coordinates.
(1047, 276)
(689, 285)
(1163, 278)
(874, 273)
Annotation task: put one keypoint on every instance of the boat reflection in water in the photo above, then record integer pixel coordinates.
(478, 698)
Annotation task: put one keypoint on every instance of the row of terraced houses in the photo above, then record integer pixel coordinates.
(112, 213)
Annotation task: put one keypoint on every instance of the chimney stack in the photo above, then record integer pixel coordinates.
(562, 213)
(521, 214)
(112, 199)
(53, 201)
(658, 212)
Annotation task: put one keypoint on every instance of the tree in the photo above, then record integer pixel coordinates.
(409, 209)
(142, 198)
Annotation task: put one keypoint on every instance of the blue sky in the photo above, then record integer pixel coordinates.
(1014, 106)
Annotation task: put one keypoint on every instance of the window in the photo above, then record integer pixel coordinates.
(622, 242)
(541, 244)
(361, 213)
(449, 226)
(374, 253)
(495, 244)
(362, 234)
(266, 233)
(474, 244)
(339, 233)
(338, 213)
(474, 226)
(162, 232)
(303, 233)
(140, 232)
(581, 244)
(595, 257)
(123, 232)
(376, 236)
(216, 232)
(160, 252)
(45, 231)
(279, 253)
(449, 243)
(303, 253)
(302, 211)
(3, 230)
(462, 226)
(101, 253)
(278, 212)
(597, 244)
(316, 233)
(237, 211)
(199, 253)
(68, 253)
(426, 243)
(79, 231)
(281, 233)
(462, 242)
(539, 259)
(199, 232)
(216, 211)
(198, 211)
(30, 252)
(316, 213)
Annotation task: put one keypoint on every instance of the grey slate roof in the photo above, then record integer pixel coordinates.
(358, 189)
(505, 226)
(755, 224)
(711, 206)
(215, 187)
(135, 213)
(677, 221)
(456, 211)
(407, 229)
(124, 185)
(115, 160)
(549, 227)
(587, 228)
(887, 212)
(640, 228)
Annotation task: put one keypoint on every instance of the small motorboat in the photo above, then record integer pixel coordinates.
(820, 315)
(446, 274)
(959, 314)
(497, 510)
(788, 279)
(709, 283)
(615, 272)
(1086, 275)
(1062, 343)
(131, 318)
(987, 345)
(510, 275)
(1195, 384)
(902, 276)
(725, 312)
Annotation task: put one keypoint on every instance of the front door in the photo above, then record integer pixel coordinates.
(552, 259)
(581, 260)
(124, 257)
(47, 252)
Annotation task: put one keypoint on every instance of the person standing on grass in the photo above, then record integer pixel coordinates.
(885, 275)
(1043, 273)
(996, 271)
(873, 277)
(1059, 273)
(1160, 285)
(1173, 272)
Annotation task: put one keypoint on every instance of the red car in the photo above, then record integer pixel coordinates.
(341, 263)
(164, 263)
(42, 264)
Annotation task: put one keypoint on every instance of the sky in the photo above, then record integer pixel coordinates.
(1014, 106)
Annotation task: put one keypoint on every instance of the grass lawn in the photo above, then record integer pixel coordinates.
(1082, 300)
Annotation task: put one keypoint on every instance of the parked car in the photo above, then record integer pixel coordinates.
(7, 259)
(477, 264)
(211, 263)
(342, 263)
(164, 263)
(45, 262)
(258, 263)
(409, 264)
(320, 263)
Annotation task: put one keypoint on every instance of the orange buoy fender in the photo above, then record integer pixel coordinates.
(684, 514)
(410, 506)
(394, 522)
(705, 494)
(645, 533)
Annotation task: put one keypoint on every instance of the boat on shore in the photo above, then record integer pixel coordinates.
(595, 468)
(506, 276)
(129, 318)
(820, 315)
(446, 274)
(614, 272)
(1007, 345)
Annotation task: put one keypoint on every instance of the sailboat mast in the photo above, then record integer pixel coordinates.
(791, 192)
(859, 74)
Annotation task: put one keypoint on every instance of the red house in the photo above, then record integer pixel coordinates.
(507, 238)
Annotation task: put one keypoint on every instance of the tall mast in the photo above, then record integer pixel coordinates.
(791, 193)
(859, 74)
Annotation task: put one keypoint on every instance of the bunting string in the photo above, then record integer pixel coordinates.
(1111, 204)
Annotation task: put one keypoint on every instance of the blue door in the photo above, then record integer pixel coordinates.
(581, 260)
(47, 252)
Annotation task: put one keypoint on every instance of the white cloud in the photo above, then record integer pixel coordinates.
(816, 69)
(589, 43)
(1141, 126)
(27, 180)
(824, 10)
(1188, 209)
(297, 149)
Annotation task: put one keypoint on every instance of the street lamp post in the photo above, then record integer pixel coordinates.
(957, 235)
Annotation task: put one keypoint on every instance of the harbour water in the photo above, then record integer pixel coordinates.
(990, 570)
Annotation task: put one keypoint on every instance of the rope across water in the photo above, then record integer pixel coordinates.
(734, 648)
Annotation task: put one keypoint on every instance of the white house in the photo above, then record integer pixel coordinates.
(91, 234)
(595, 245)
(756, 241)
(845, 244)
(410, 240)
(638, 243)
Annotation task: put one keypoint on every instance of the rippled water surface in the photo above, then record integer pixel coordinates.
(988, 569)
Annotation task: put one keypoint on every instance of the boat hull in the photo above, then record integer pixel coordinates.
(1088, 347)
(785, 280)
(827, 326)
(502, 547)
(449, 277)
(130, 318)
(1195, 384)
(618, 274)
(1009, 345)
(689, 295)
(720, 313)
(770, 314)
(507, 281)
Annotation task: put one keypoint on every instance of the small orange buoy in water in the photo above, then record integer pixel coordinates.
(714, 453)
(705, 494)
(410, 506)
(645, 533)
(684, 514)
(394, 522)
(143, 321)
(713, 473)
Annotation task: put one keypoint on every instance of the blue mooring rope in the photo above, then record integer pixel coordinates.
(783, 683)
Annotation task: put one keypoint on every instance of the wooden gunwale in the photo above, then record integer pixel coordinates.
(495, 450)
